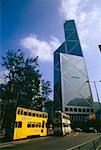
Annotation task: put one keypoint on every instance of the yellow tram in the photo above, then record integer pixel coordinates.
(29, 123)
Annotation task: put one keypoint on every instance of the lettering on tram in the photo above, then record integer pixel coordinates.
(61, 123)
(29, 123)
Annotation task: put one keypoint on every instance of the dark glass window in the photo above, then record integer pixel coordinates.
(66, 109)
(18, 111)
(75, 109)
(71, 109)
(36, 125)
(18, 124)
(39, 125)
(29, 114)
(45, 116)
(25, 113)
(33, 125)
(79, 109)
(40, 115)
(33, 114)
(83, 109)
(21, 112)
(87, 110)
(36, 115)
(29, 125)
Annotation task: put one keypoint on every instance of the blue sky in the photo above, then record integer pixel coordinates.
(36, 27)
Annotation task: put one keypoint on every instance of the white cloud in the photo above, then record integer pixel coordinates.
(42, 49)
(87, 14)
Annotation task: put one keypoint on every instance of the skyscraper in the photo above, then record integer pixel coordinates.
(71, 87)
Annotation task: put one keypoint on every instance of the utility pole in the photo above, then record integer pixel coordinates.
(96, 91)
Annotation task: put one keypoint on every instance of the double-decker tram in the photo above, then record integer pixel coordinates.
(29, 123)
(61, 123)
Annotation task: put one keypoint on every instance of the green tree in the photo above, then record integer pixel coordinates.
(23, 80)
(45, 91)
(23, 76)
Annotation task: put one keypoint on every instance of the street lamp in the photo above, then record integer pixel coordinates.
(96, 90)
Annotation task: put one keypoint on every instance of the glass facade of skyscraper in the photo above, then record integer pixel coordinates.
(70, 75)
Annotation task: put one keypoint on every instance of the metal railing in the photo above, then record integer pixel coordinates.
(89, 145)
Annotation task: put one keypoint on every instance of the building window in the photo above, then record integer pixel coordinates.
(71, 109)
(83, 109)
(87, 110)
(79, 109)
(66, 109)
(75, 109)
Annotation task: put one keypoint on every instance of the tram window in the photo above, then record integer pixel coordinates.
(29, 114)
(25, 113)
(19, 124)
(29, 125)
(40, 115)
(18, 111)
(36, 125)
(36, 115)
(39, 124)
(33, 125)
(33, 114)
(45, 115)
(21, 112)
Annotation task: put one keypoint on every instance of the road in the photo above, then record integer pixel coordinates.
(51, 142)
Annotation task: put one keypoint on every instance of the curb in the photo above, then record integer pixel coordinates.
(8, 144)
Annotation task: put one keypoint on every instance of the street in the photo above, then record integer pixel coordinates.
(51, 142)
